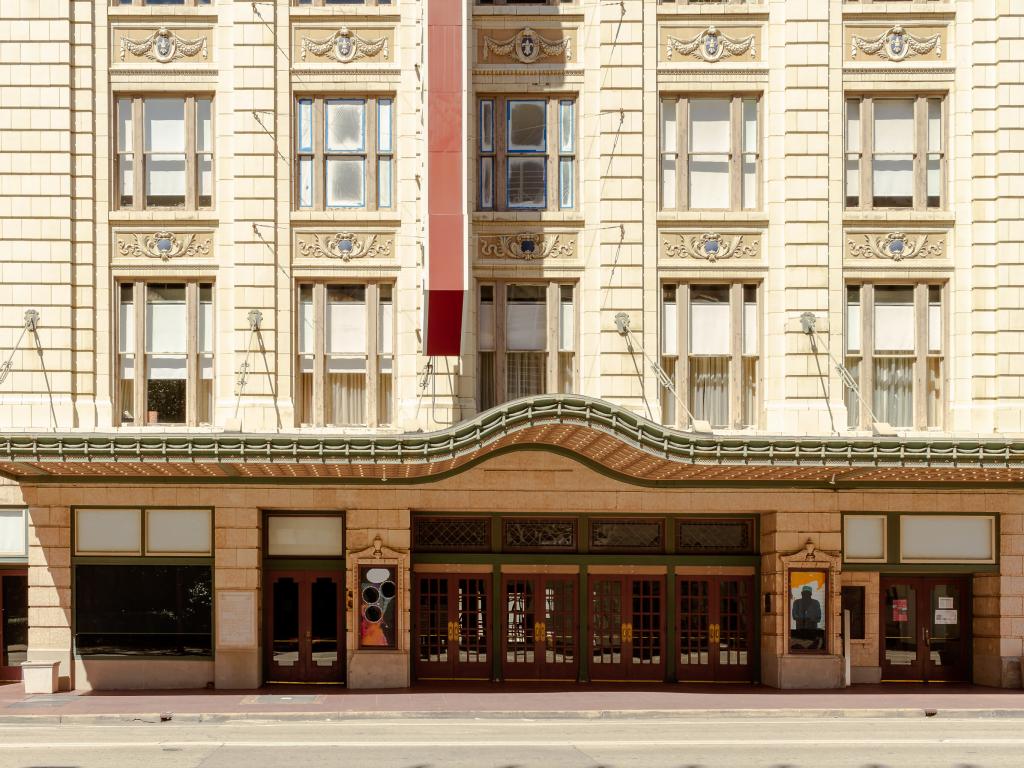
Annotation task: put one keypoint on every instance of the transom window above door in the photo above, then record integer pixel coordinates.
(344, 149)
(527, 152)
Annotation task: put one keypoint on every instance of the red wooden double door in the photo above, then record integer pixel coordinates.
(538, 632)
(305, 627)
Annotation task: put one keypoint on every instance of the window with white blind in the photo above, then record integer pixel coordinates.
(710, 340)
(346, 337)
(344, 150)
(527, 153)
(164, 152)
(710, 153)
(526, 340)
(895, 152)
(894, 353)
(165, 353)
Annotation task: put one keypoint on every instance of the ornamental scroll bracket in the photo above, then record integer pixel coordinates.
(527, 247)
(895, 246)
(345, 246)
(345, 46)
(711, 247)
(896, 44)
(527, 47)
(711, 45)
(164, 246)
(164, 46)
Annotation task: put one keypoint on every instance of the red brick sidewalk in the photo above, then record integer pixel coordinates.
(474, 699)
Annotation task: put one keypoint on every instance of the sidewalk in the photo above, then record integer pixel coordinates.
(521, 700)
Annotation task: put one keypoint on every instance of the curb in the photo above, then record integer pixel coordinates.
(156, 718)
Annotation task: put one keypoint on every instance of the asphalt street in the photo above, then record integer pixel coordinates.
(606, 742)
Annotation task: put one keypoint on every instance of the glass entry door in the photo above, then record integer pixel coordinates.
(927, 628)
(716, 628)
(452, 626)
(305, 626)
(539, 631)
(13, 623)
(627, 628)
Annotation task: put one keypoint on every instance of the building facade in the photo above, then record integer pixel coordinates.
(383, 342)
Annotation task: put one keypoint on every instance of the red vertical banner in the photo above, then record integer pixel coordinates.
(446, 172)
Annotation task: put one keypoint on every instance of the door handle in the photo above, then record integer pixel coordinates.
(539, 632)
(451, 630)
(627, 632)
(927, 637)
(309, 635)
(715, 632)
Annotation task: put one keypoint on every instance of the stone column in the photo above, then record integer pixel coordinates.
(236, 581)
(49, 589)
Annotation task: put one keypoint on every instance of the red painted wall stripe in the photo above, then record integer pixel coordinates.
(446, 219)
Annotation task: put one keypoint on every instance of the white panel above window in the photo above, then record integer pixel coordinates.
(527, 326)
(947, 539)
(894, 126)
(894, 319)
(853, 327)
(566, 326)
(307, 332)
(669, 328)
(346, 327)
(386, 327)
(750, 334)
(164, 124)
(709, 126)
(710, 328)
(179, 532)
(166, 368)
(305, 536)
(13, 541)
(384, 125)
(864, 538)
(166, 327)
(485, 327)
(108, 531)
(346, 120)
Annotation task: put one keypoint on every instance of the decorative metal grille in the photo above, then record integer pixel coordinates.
(540, 535)
(627, 535)
(717, 537)
(451, 534)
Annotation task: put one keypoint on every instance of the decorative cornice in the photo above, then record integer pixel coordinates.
(527, 247)
(563, 72)
(119, 72)
(711, 247)
(163, 245)
(896, 44)
(163, 46)
(711, 45)
(345, 246)
(895, 246)
(345, 46)
(527, 46)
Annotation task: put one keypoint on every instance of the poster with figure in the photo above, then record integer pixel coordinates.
(808, 611)
(377, 592)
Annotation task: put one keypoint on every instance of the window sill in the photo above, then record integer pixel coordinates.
(903, 7)
(207, 215)
(728, 217)
(352, 9)
(574, 217)
(902, 215)
(145, 11)
(538, 9)
(356, 215)
(676, 10)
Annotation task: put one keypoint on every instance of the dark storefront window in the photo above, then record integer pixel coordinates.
(135, 610)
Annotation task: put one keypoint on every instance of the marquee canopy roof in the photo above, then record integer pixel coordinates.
(608, 438)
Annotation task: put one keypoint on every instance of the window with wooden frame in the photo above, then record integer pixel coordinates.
(175, 166)
(527, 153)
(895, 152)
(162, 2)
(711, 2)
(526, 340)
(710, 152)
(894, 354)
(524, 2)
(345, 354)
(328, 3)
(165, 353)
(710, 341)
(344, 150)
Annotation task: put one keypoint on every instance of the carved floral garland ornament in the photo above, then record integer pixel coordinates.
(527, 47)
(711, 45)
(711, 247)
(164, 246)
(345, 46)
(527, 247)
(895, 44)
(895, 246)
(345, 246)
(164, 46)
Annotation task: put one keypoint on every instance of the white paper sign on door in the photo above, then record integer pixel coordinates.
(945, 617)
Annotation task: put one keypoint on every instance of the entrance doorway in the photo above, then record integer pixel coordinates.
(305, 626)
(539, 631)
(627, 628)
(13, 623)
(927, 628)
(451, 626)
(716, 628)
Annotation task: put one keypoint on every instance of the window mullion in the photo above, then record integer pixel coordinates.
(920, 354)
(372, 362)
(319, 352)
(553, 298)
(736, 356)
(138, 156)
(139, 405)
(867, 359)
(191, 178)
(500, 154)
(370, 154)
(500, 346)
(683, 354)
(191, 353)
(735, 153)
(319, 159)
(867, 152)
(552, 145)
(683, 145)
(920, 153)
